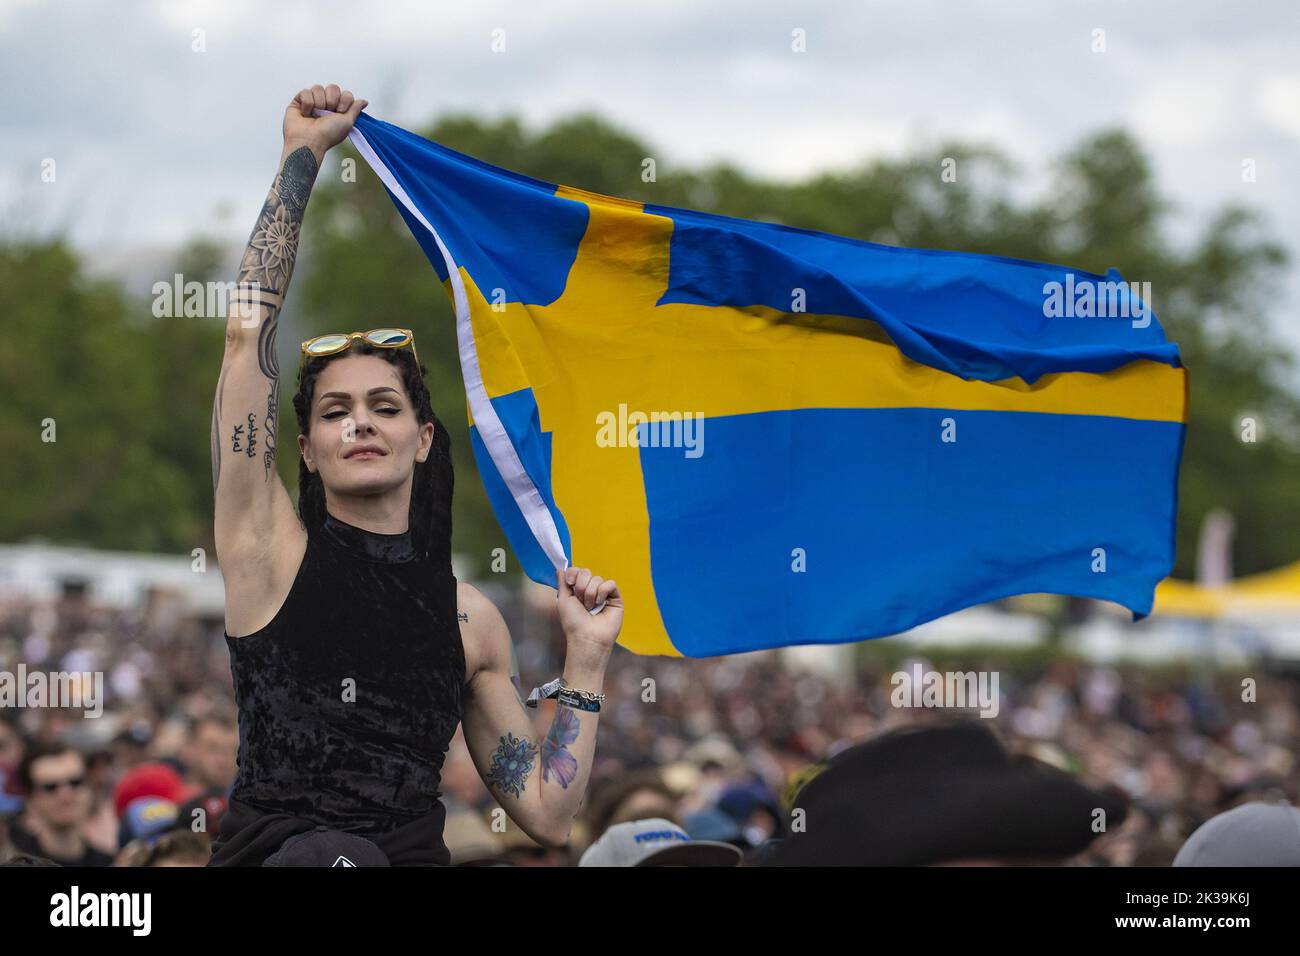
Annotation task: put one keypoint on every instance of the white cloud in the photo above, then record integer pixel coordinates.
(152, 137)
(1184, 110)
(1279, 102)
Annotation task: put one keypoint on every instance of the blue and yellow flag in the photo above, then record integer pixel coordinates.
(770, 436)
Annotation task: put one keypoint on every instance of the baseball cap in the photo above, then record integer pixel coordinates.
(325, 847)
(656, 842)
(1253, 834)
(150, 780)
(713, 825)
(145, 817)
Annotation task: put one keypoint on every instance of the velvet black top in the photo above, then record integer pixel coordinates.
(349, 697)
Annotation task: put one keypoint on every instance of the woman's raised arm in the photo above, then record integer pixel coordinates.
(256, 530)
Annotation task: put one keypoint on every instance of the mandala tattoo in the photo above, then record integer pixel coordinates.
(273, 247)
(511, 764)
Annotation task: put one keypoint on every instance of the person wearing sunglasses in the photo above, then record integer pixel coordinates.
(58, 807)
(354, 650)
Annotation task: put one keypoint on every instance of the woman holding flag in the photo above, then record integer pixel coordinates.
(355, 652)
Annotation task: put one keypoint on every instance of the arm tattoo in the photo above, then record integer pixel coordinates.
(556, 761)
(271, 369)
(273, 246)
(216, 428)
(267, 267)
(512, 763)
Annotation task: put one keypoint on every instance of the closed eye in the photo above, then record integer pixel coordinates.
(336, 413)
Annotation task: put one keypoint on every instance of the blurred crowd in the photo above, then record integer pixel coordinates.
(716, 752)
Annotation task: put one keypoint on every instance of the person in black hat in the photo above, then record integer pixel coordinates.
(354, 650)
(950, 794)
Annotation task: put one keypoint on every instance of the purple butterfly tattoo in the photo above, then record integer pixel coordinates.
(555, 759)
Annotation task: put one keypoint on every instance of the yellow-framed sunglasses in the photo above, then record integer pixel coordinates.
(335, 342)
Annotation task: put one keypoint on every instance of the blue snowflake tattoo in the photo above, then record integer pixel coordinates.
(512, 763)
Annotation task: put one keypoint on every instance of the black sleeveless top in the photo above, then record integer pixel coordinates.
(349, 697)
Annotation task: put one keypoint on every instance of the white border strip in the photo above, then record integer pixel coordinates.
(490, 429)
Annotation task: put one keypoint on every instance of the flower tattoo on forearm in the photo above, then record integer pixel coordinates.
(511, 764)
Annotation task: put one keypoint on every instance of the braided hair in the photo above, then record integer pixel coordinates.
(431, 486)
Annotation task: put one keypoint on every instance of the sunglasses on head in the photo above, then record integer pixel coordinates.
(50, 786)
(334, 342)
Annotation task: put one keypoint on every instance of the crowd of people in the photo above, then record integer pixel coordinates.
(728, 755)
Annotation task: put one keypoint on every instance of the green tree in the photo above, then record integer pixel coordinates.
(100, 375)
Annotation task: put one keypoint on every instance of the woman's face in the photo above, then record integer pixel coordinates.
(364, 436)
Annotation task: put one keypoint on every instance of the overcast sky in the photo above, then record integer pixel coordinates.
(155, 142)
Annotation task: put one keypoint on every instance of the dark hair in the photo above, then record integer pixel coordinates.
(615, 791)
(40, 751)
(430, 515)
(179, 844)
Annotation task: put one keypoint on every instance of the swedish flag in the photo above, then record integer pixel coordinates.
(770, 436)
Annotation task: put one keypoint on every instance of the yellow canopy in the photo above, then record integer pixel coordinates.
(1270, 591)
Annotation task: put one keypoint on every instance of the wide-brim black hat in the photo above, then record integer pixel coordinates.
(927, 795)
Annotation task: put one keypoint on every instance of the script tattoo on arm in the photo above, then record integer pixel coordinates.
(267, 267)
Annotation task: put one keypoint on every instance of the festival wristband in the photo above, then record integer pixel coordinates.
(565, 695)
(578, 700)
(545, 692)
